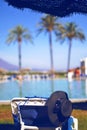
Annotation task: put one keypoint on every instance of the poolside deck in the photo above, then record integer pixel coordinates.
(77, 103)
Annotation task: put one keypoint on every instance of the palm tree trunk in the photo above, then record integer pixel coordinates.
(19, 49)
(51, 52)
(69, 55)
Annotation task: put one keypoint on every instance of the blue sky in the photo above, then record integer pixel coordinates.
(37, 55)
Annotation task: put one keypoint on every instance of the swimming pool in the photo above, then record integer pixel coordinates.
(42, 88)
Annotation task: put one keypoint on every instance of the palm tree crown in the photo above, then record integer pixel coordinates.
(18, 34)
(49, 24)
(70, 31)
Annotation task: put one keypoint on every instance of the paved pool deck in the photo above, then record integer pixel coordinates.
(72, 100)
(76, 103)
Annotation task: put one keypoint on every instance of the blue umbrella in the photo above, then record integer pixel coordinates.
(59, 8)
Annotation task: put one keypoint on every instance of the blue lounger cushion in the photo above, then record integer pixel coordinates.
(35, 116)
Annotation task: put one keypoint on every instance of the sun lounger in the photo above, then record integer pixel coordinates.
(31, 113)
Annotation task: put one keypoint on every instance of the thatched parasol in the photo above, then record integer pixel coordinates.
(59, 8)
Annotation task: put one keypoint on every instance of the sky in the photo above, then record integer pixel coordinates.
(37, 55)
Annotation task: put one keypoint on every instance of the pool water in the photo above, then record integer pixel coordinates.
(42, 88)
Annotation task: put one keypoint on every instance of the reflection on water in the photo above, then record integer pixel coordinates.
(69, 84)
(74, 88)
(78, 88)
(52, 85)
(20, 88)
(43, 88)
(86, 87)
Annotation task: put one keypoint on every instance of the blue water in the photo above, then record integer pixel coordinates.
(42, 88)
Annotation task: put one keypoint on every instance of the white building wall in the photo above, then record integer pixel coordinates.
(86, 66)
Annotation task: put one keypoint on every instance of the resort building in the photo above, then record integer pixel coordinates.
(84, 66)
(70, 73)
(77, 72)
(74, 73)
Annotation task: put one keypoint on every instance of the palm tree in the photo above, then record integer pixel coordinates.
(70, 31)
(49, 24)
(18, 34)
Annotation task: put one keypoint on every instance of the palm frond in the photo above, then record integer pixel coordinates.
(48, 23)
(18, 33)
